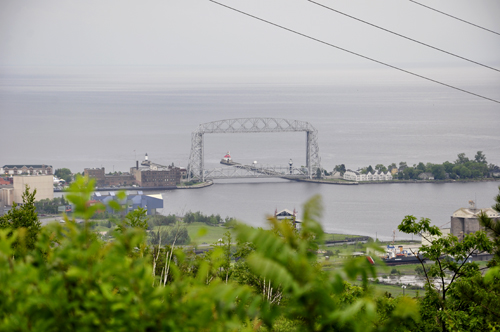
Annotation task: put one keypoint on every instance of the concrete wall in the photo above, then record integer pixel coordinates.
(44, 185)
(462, 226)
(6, 195)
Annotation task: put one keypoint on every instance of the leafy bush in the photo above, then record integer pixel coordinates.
(72, 281)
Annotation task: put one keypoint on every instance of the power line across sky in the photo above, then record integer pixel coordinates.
(354, 53)
(454, 17)
(402, 36)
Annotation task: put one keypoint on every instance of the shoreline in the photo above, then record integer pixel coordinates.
(196, 186)
(342, 183)
(395, 181)
(432, 181)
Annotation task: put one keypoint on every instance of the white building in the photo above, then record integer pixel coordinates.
(351, 175)
(26, 169)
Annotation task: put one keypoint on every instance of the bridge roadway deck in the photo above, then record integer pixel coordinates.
(236, 170)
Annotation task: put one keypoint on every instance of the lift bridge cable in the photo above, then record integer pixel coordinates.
(402, 36)
(478, 26)
(354, 53)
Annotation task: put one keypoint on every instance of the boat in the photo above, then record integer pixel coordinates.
(227, 159)
(400, 256)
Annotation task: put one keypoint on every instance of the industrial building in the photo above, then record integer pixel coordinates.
(13, 193)
(148, 175)
(108, 180)
(134, 200)
(465, 220)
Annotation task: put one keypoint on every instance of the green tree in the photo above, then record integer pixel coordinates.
(461, 159)
(137, 219)
(409, 173)
(64, 173)
(438, 171)
(448, 167)
(226, 270)
(23, 217)
(480, 158)
(421, 166)
(381, 168)
(369, 169)
(340, 168)
(464, 172)
(493, 227)
(451, 258)
(288, 260)
(478, 169)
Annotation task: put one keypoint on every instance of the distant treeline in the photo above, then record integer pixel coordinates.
(191, 217)
(461, 168)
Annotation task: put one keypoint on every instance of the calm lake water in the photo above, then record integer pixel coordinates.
(373, 210)
(111, 116)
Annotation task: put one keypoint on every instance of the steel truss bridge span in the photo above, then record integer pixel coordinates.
(248, 171)
(196, 165)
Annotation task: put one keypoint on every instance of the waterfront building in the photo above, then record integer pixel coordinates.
(351, 175)
(157, 176)
(95, 173)
(426, 176)
(494, 172)
(184, 172)
(153, 175)
(150, 176)
(106, 180)
(288, 215)
(134, 200)
(336, 175)
(465, 220)
(26, 169)
(14, 192)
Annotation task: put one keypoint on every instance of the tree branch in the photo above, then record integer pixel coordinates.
(423, 267)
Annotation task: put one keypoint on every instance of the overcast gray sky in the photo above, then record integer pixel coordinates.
(199, 32)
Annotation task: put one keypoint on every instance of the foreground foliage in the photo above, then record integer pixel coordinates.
(70, 281)
(23, 220)
(459, 297)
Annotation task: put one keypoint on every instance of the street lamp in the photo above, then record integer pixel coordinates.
(404, 287)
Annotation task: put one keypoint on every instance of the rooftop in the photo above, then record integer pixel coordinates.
(21, 166)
